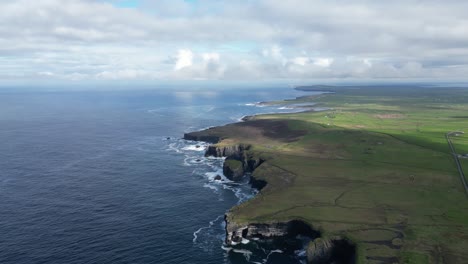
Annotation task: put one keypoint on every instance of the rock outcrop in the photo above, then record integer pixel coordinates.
(235, 233)
(235, 151)
(198, 136)
(257, 183)
(233, 169)
(320, 250)
(331, 250)
(239, 159)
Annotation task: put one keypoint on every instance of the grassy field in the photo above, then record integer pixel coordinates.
(375, 168)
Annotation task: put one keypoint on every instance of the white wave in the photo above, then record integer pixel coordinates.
(210, 224)
(272, 252)
(241, 194)
(195, 234)
(213, 174)
(211, 186)
(245, 241)
(226, 248)
(197, 147)
(246, 253)
(194, 160)
(300, 253)
(174, 147)
(215, 163)
(276, 251)
(285, 108)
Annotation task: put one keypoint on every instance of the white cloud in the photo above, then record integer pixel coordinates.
(89, 40)
(301, 60)
(184, 59)
(213, 56)
(323, 62)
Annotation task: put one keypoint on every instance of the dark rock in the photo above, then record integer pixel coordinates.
(239, 159)
(218, 178)
(198, 160)
(168, 138)
(331, 250)
(233, 169)
(247, 118)
(197, 146)
(321, 250)
(235, 232)
(226, 151)
(199, 136)
(257, 184)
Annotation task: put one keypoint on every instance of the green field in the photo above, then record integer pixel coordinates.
(375, 168)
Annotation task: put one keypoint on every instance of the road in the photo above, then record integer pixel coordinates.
(455, 156)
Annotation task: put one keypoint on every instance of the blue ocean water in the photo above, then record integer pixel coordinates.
(104, 176)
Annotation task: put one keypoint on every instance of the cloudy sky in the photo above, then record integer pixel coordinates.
(92, 40)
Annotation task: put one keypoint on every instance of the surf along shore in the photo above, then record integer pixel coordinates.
(368, 180)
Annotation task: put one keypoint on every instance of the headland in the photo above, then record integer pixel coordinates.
(370, 179)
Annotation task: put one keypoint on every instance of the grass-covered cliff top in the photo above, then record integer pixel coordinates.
(376, 169)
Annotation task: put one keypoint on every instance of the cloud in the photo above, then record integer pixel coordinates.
(301, 60)
(323, 62)
(184, 59)
(176, 39)
(213, 56)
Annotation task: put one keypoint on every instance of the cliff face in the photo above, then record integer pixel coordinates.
(331, 250)
(226, 151)
(233, 169)
(239, 160)
(320, 250)
(235, 233)
(197, 136)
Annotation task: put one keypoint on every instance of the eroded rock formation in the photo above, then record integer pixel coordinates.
(198, 136)
(239, 159)
(331, 250)
(236, 232)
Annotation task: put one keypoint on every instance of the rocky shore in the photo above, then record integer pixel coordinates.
(240, 160)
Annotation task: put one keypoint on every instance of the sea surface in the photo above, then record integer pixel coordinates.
(104, 176)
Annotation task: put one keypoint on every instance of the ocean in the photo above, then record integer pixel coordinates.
(105, 176)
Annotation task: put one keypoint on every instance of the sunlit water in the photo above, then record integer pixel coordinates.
(104, 177)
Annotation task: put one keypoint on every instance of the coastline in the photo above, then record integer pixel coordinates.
(318, 249)
(369, 175)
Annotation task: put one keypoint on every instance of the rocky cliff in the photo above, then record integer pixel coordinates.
(236, 150)
(233, 169)
(331, 250)
(235, 233)
(239, 159)
(335, 249)
(199, 136)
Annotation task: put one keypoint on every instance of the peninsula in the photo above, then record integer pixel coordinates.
(370, 180)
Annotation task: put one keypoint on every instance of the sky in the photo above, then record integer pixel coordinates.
(142, 40)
